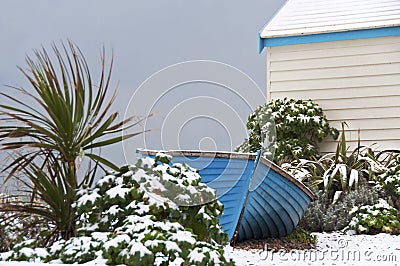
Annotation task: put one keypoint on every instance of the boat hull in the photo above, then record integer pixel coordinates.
(275, 203)
(260, 199)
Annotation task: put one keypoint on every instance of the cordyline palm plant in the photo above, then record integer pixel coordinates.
(68, 118)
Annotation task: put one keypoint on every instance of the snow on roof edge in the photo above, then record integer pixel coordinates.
(289, 20)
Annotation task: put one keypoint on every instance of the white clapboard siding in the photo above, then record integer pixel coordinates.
(337, 61)
(332, 93)
(379, 145)
(356, 103)
(372, 113)
(347, 82)
(303, 51)
(355, 81)
(372, 123)
(337, 72)
(372, 134)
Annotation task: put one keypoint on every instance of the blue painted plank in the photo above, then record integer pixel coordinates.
(274, 204)
(295, 191)
(231, 183)
(329, 37)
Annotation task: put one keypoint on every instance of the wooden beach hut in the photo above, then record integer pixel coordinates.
(345, 55)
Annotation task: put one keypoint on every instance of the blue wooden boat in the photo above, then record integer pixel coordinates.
(260, 199)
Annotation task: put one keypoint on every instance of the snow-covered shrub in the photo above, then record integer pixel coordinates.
(13, 229)
(25, 251)
(390, 182)
(340, 172)
(300, 125)
(334, 177)
(60, 132)
(323, 216)
(377, 218)
(77, 249)
(146, 213)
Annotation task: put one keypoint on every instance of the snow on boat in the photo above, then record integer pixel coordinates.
(260, 199)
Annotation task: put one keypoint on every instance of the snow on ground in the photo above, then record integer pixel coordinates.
(332, 249)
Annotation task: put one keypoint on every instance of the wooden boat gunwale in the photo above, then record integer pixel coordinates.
(198, 153)
(233, 155)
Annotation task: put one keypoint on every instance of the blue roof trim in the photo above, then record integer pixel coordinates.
(328, 37)
(260, 44)
(260, 41)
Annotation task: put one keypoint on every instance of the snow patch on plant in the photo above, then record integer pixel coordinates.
(150, 212)
(377, 218)
(288, 129)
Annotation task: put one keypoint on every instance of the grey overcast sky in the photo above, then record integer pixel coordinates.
(146, 36)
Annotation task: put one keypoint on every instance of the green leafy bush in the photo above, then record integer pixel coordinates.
(377, 218)
(300, 125)
(23, 251)
(144, 214)
(300, 235)
(390, 181)
(13, 230)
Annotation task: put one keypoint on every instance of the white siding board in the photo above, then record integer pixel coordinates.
(372, 123)
(333, 93)
(334, 52)
(381, 145)
(373, 134)
(354, 81)
(334, 72)
(376, 112)
(357, 103)
(269, 90)
(336, 61)
(379, 80)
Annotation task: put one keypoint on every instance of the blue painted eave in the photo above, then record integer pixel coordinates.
(328, 37)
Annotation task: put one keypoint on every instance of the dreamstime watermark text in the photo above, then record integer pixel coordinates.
(339, 254)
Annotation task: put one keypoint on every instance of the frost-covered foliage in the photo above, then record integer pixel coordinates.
(300, 125)
(152, 212)
(334, 177)
(262, 132)
(377, 218)
(340, 172)
(13, 229)
(342, 179)
(323, 216)
(390, 181)
(23, 251)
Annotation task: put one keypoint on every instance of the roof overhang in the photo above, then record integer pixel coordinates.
(328, 37)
